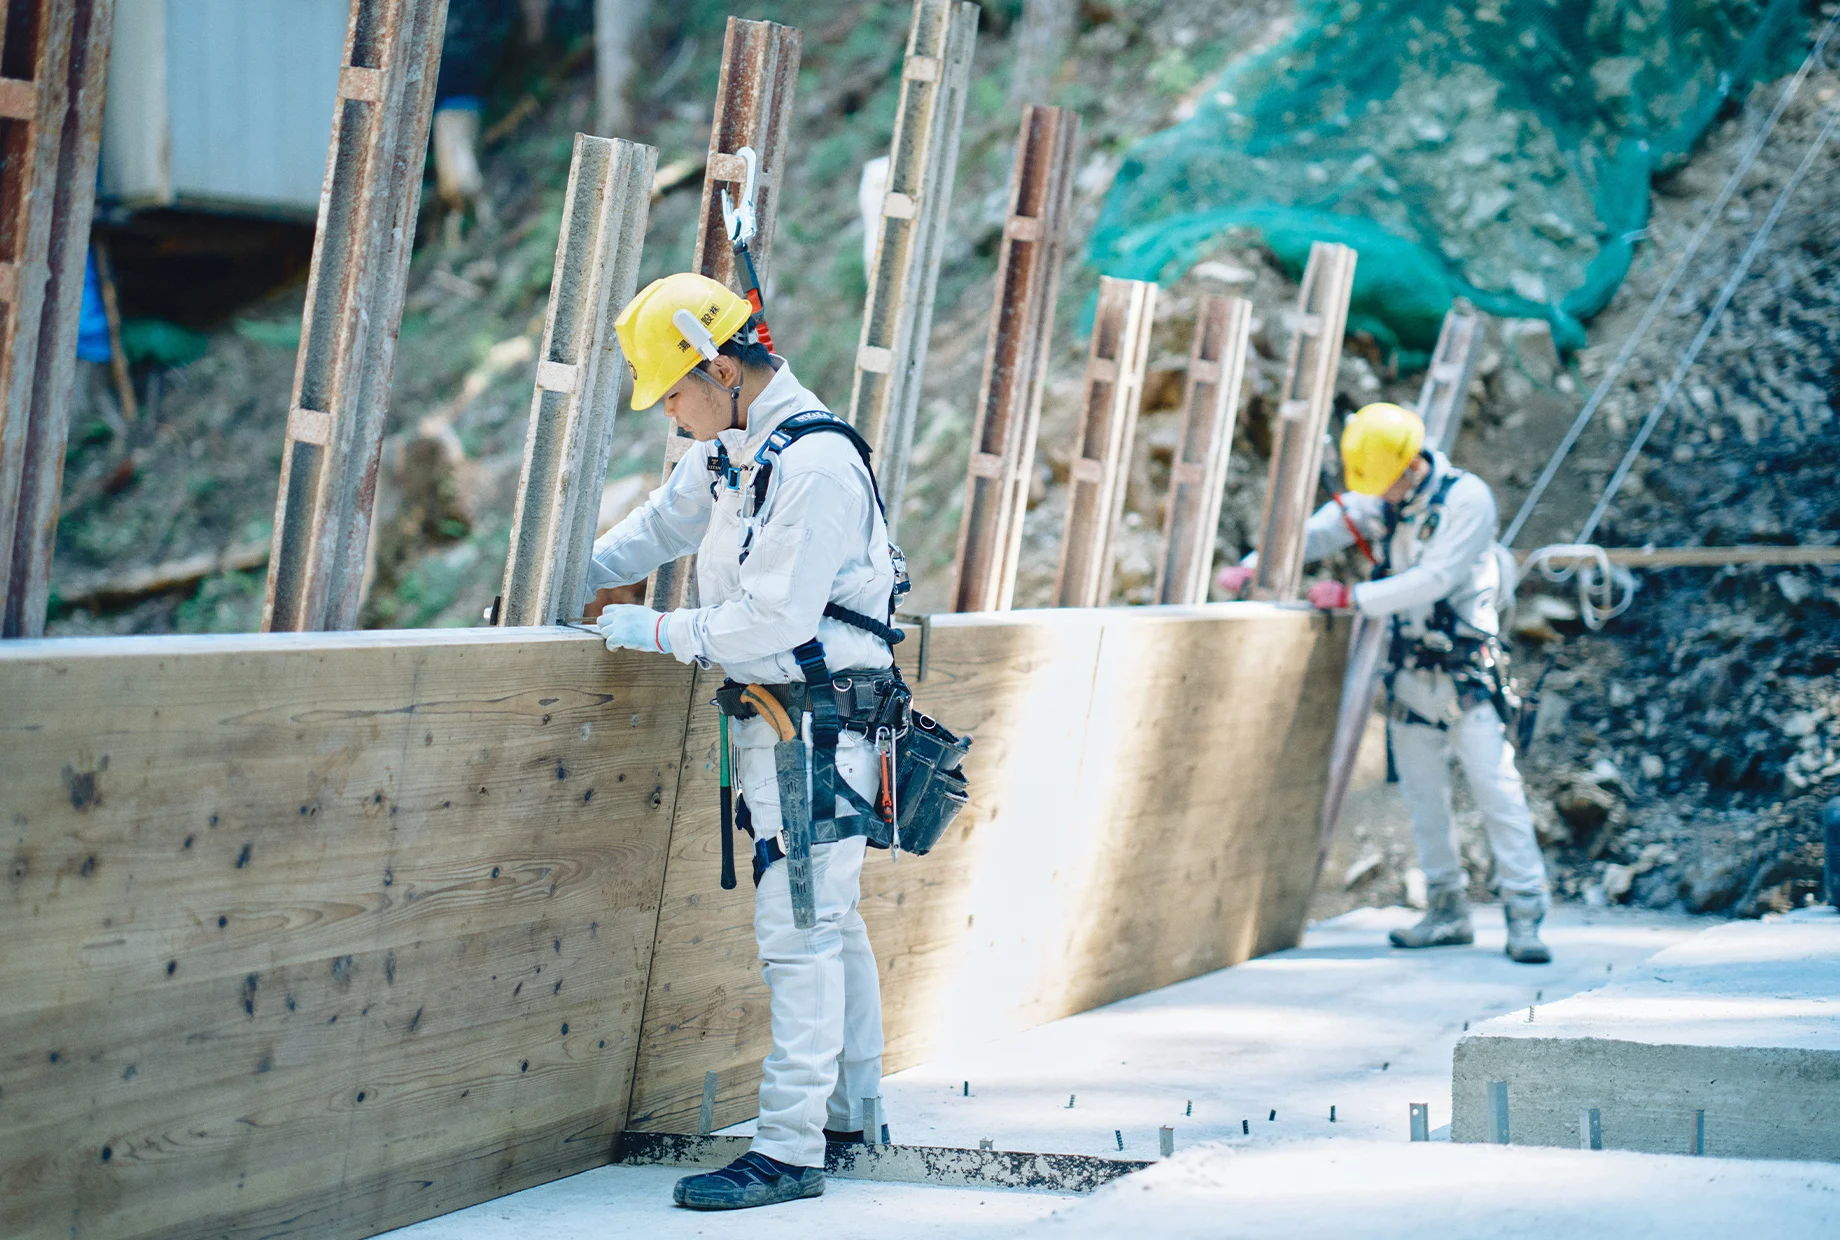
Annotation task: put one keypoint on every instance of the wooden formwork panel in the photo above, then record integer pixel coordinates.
(1302, 423)
(1112, 391)
(1146, 791)
(1198, 475)
(321, 934)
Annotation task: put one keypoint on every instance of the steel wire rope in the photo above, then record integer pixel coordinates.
(1815, 56)
(1726, 293)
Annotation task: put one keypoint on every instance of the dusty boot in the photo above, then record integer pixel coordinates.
(1524, 914)
(1445, 923)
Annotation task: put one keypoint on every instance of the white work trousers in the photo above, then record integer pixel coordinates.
(826, 1000)
(1480, 744)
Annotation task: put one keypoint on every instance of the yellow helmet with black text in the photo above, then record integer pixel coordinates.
(673, 324)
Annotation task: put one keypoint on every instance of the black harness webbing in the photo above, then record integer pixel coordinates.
(826, 726)
(1476, 663)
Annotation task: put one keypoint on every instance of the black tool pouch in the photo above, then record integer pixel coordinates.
(929, 786)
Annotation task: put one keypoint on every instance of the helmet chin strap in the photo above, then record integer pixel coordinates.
(734, 395)
(699, 339)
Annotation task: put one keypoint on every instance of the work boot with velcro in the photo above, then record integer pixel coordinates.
(1445, 923)
(751, 1180)
(1524, 914)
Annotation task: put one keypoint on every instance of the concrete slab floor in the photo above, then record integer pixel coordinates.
(613, 1203)
(1343, 1021)
(1336, 1189)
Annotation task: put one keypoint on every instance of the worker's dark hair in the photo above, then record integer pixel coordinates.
(752, 355)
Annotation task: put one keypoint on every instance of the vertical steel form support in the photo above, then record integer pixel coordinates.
(367, 210)
(1112, 392)
(581, 374)
(760, 70)
(1198, 475)
(1441, 403)
(1303, 419)
(54, 61)
(1453, 366)
(1015, 361)
(898, 316)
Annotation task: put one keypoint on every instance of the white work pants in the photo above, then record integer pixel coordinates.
(1480, 745)
(826, 1000)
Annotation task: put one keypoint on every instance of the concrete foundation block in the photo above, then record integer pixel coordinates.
(1727, 1045)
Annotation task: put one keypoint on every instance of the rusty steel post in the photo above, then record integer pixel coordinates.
(1198, 475)
(1015, 361)
(1112, 393)
(25, 558)
(760, 70)
(1303, 419)
(35, 53)
(581, 375)
(367, 215)
(1445, 396)
(1441, 403)
(898, 313)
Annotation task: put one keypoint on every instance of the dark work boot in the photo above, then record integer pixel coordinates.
(751, 1180)
(851, 1138)
(1524, 913)
(1445, 923)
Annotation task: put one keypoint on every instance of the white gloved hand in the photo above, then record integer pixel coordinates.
(630, 626)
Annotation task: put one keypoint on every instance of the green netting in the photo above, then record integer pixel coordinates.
(1500, 151)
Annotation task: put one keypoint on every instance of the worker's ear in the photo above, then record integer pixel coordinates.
(726, 370)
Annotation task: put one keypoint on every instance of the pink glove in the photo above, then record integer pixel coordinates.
(1234, 578)
(1330, 596)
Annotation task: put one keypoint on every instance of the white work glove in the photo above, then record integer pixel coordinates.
(630, 626)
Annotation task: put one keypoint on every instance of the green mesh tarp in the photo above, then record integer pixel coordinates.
(1499, 151)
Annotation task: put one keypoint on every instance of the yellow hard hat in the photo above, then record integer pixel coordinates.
(1378, 443)
(662, 347)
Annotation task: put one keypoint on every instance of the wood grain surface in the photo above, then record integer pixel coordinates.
(321, 934)
(327, 933)
(1146, 785)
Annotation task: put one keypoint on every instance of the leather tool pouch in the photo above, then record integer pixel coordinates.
(930, 787)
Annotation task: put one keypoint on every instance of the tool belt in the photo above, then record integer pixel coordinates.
(865, 701)
(1478, 666)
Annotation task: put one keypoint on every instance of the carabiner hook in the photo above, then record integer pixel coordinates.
(739, 221)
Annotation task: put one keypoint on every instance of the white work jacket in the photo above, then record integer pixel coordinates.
(1457, 563)
(818, 538)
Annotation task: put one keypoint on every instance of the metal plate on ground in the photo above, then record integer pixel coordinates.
(906, 1164)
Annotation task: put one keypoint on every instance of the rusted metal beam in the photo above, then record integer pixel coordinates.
(36, 42)
(898, 314)
(1303, 419)
(1015, 361)
(1444, 397)
(1112, 393)
(367, 214)
(1198, 475)
(1441, 403)
(760, 70)
(581, 375)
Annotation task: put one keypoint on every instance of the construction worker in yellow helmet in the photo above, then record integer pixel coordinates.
(793, 561)
(1428, 530)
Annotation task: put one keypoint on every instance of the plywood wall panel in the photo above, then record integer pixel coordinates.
(1145, 787)
(326, 933)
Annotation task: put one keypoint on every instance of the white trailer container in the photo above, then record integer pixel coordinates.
(222, 104)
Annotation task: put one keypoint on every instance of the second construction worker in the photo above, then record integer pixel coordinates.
(1429, 529)
(793, 569)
